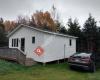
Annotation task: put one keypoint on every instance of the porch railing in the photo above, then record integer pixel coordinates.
(12, 54)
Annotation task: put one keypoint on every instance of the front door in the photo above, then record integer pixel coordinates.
(23, 44)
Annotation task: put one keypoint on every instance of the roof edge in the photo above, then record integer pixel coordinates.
(54, 33)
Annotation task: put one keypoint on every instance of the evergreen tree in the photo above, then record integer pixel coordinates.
(90, 33)
(63, 30)
(74, 30)
(3, 38)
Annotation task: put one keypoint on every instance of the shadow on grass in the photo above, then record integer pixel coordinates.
(79, 69)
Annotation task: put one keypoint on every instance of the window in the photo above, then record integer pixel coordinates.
(15, 42)
(33, 39)
(12, 42)
(70, 42)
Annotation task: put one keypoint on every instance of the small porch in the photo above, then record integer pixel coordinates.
(16, 55)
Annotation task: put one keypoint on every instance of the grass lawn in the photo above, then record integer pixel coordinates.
(14, 71)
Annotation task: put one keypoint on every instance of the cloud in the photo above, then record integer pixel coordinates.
(10, 9)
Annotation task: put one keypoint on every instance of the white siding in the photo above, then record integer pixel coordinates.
(54, 49)
(53, 45)
(27, 33)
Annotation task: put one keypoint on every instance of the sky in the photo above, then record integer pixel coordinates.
(80, 9)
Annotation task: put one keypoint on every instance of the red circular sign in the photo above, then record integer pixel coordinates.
(39, 51)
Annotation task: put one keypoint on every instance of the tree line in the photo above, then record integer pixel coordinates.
(88, 34)
(88, 37)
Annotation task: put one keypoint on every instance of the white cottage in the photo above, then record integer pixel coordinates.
(42, 46)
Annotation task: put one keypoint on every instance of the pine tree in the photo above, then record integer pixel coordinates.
(3, 38)
(74, 30)
(90, 33)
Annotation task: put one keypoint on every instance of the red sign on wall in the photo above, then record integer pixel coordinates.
(39, 51)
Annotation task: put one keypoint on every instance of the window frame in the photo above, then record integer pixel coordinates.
(33, 40)
(12, 42)
(70, 42)
(15, 42)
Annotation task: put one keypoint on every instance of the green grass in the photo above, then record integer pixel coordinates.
(14, 71)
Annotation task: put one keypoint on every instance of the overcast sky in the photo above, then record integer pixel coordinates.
(10, 9)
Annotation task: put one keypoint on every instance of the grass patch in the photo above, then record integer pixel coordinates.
(14, 71)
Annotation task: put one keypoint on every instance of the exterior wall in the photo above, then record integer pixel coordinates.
(57, 47)
(28, 33)
(53, 45)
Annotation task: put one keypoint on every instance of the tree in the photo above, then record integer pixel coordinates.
(74, 30)
(90, 33)
(74, 27)
(23, 20)
(32, 21)
(3, 38)
(44, 21)
(1, 24)
(63, 30)
(56, 17)
(9, 25)
(1, 20)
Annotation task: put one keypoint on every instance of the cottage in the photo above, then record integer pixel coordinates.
(42, 46)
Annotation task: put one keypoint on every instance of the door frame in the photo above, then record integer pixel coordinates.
(22, 46)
